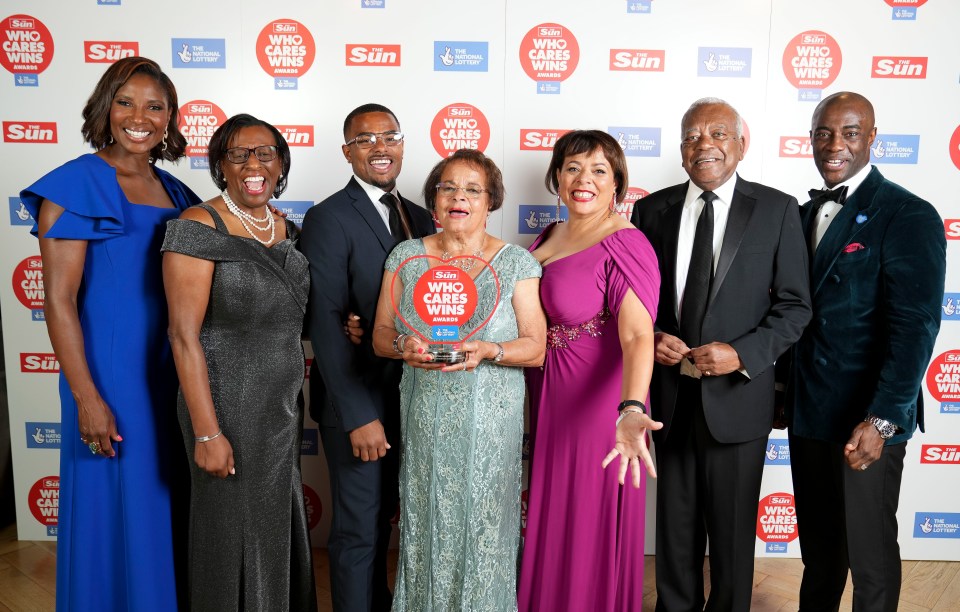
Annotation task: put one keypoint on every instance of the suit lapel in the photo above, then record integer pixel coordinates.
(740, 210)
(670, 233)
(856, 214)
(365, 208)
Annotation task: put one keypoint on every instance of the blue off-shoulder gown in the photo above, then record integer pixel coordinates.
(115, 542)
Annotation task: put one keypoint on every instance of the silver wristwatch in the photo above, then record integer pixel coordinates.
(885, 428)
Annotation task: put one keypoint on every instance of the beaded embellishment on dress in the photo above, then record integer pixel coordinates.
(560, 336)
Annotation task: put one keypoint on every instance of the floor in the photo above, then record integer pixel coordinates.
(28, 573)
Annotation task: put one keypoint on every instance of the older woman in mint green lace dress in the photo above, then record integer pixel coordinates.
(462, 424)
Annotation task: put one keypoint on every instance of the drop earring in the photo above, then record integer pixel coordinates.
(163, 145)
(559, 218)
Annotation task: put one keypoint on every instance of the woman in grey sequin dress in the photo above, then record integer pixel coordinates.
(237, 290)
(462, 425)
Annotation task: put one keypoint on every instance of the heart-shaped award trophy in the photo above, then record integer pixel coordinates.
(447, 301)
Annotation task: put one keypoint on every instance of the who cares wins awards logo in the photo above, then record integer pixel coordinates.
(199, 119)
(777, 521)
(285, 50)
(811, 63)
(44, 502)
(459, 126)
(27, 48)
(28, 285)
(955, 147)
(549, 53)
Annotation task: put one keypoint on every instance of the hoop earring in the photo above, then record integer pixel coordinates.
(110, 142)
(163, 145)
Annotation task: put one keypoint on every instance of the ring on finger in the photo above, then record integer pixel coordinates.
(94, 448)
(863, 466)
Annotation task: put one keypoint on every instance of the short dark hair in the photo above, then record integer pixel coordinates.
(96, 113)
(363, 109)
(220, 142)
(578, 142)
(479, 161)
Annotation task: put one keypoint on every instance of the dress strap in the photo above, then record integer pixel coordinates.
(217, 220)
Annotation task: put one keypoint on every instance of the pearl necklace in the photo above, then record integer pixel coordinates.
(464, 264)
(247, 220)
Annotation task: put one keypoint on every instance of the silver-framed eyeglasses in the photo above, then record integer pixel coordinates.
(448, 190)
(238, 155)
(368, 140)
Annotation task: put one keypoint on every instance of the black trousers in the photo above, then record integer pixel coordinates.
(364, 496)
(847, 520)
(705, 489)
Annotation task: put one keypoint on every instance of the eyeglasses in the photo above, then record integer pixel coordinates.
(448, 190)
(238, 155)
(369, 140)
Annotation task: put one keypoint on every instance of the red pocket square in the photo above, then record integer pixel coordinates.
(853, 247)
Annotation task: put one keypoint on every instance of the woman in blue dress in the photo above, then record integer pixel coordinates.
(100, 220)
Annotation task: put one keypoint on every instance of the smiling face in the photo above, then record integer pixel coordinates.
(841, 132)
(380, 164)
(251, 183)
(458, 213)
(139, 114)
(710, 148)
(585, 183)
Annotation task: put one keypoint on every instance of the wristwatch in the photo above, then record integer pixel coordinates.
(885, 428)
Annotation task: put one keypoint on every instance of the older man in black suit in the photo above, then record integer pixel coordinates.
(878, 257)
(354, 395)
(734, 296)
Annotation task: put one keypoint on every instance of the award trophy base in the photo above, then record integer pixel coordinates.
(445, 354)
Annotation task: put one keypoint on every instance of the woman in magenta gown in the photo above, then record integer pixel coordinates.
(583, 547)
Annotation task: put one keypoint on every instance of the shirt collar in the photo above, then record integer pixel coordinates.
(854, 181)
(724, 192)
(373, 192)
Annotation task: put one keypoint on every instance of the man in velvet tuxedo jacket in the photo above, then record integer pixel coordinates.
(715, 393)
(354, 395)
(878, 256)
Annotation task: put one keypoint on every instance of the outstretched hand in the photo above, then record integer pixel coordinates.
(632, 447)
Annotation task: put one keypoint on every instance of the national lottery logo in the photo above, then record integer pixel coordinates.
(297, 135)
(777, 520)
(459, 126)
(295, 211)
(30, 132)
(199, 52)
(812, 61)
(539, 139)
(943, 377)
(777, 452)
(895, 149)
(724, 62)
(936, 525)
(549, 52)
(27, 45)
(19, 215)
(460, 56)
(637, 60)
(951, 301)
(905, 10)
(795, 146)
(199, 119)
(43, 435)
(285, 48)
(107, 52)
(897, 67)
(373, 55)
(534, 218)
(637, 141)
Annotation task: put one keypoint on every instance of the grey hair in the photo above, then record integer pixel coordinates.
(708, 101)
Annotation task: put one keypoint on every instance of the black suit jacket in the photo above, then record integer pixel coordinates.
(877, 287)
(347, 243)
(759, 303)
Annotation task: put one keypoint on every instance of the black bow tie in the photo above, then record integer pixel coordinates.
(838, 195)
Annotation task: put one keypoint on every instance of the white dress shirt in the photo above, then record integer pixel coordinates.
(692, 206)
(375, 193)
(829, 210)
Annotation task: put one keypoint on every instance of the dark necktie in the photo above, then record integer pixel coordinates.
(399, 226)
(699, 275)
(838, 195)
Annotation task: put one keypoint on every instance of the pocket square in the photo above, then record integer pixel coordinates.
(853, 247)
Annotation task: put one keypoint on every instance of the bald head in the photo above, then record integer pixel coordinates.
(841, 133)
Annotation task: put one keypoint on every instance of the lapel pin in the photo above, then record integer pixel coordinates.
(861, 218)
